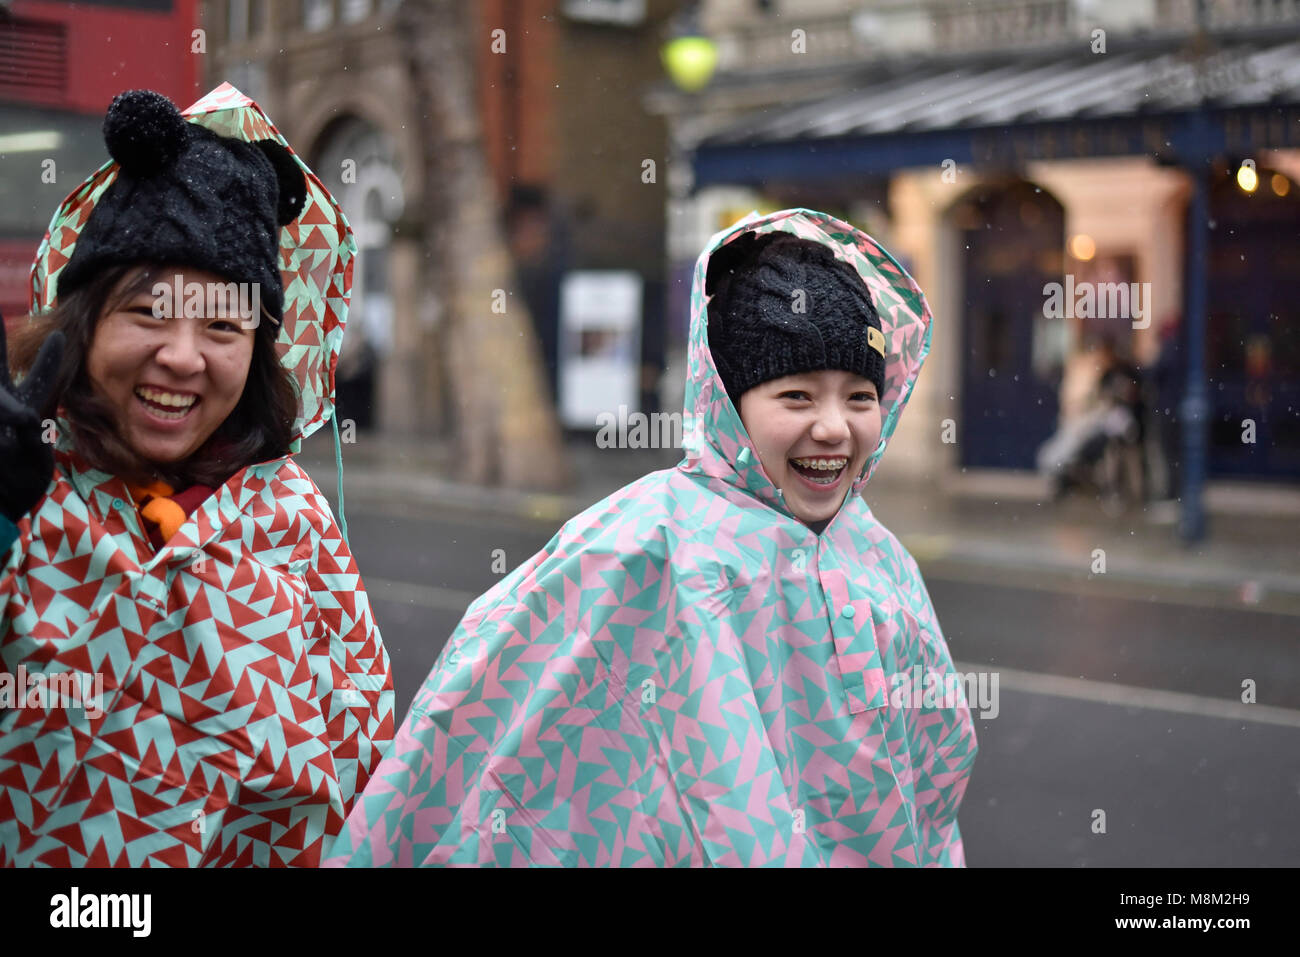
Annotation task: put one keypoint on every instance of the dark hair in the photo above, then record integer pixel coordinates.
(260, 427)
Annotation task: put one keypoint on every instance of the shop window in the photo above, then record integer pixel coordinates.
(358, 164)
(353, 11)
(626, 13)
(317, 14)
(1252, 348)
(1010, 236)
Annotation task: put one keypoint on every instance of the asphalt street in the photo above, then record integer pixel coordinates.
(1120, 739)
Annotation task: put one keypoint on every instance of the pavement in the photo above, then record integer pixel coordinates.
(993, 524)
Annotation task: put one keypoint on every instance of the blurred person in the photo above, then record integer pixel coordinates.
(1082, 377)
(1099, 441)
(705, 668)
(167, 564)
(537, 250)
(354, 378)
(1122, 389)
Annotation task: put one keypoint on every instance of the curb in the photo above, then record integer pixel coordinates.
(1017, 564)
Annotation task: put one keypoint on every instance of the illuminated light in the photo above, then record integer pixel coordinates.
(690, 61)
(1082, 247)
(1247, 178)
(1281, 185)
(31, 142)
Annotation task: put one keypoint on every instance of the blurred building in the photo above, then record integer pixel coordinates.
(997, 147)
(60, 66)
(559, 87)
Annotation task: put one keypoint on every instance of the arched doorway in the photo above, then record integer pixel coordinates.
(1253, 339)
(359, 161)
(1011, 238)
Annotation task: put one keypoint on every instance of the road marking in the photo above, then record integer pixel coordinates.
(1104, 692)
(1078, 583)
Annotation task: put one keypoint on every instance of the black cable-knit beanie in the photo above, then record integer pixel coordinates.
(188, 197)
(781, 305)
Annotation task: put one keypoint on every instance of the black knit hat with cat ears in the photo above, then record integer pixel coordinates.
(188, 197)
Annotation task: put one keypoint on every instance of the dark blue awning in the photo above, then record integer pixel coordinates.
(1238, 98)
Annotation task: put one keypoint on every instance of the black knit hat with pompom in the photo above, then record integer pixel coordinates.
(781, 305)
(188, 197)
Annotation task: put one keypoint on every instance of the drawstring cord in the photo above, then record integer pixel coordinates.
(338, 467)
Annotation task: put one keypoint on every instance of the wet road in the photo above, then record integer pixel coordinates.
(1119, 706)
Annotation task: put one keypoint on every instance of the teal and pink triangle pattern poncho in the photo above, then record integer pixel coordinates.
(221, 700)
(686, 675)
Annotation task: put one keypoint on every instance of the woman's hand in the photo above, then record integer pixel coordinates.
(26, 462)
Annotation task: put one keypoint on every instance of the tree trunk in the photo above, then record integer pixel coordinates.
(505, 422)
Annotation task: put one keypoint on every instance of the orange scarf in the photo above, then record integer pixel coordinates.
(156, 507)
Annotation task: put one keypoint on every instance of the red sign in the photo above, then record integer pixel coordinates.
(78, 56)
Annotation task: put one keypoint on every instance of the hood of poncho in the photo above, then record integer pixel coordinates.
(714, 439)
(316, 258)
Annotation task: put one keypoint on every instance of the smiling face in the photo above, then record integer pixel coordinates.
(813, 433)
(170, 381)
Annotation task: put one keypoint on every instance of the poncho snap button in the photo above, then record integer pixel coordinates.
(118, 504)
(847, 611)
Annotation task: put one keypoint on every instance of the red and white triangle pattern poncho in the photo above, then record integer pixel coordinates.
(221, 700)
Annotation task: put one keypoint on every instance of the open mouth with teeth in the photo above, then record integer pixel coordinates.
(162, 404)
(820, 471)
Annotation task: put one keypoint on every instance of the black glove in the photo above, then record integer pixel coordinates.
(26, 462)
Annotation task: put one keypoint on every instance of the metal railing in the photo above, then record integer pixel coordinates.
(1226, 14)
(755, 44)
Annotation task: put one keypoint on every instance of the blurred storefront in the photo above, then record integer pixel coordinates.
(56, 59)
(552, 82)
(999, 148)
